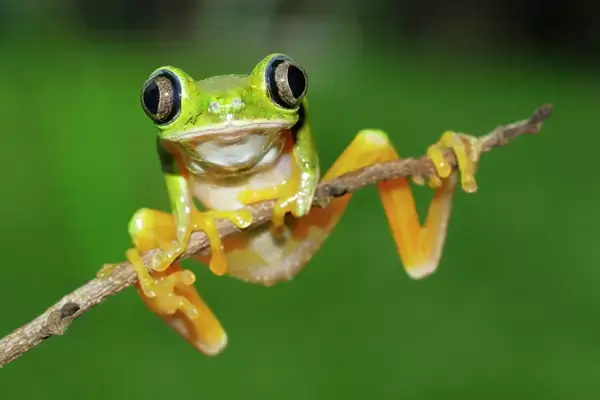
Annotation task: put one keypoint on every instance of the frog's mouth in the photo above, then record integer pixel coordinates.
(234, 129)
(233, 147)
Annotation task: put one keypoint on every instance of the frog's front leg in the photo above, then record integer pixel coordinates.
(186, 220)
(296, 194)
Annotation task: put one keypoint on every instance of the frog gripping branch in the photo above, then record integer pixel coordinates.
(233, 140)
(241, 145)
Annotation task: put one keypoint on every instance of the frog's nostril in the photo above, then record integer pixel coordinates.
(237, 103)
(214, 107)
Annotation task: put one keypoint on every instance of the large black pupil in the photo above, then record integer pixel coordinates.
(151, 97)
(296, 80)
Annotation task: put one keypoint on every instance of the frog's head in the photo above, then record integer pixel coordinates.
(228, 121)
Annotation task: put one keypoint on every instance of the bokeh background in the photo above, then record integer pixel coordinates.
(513, 312)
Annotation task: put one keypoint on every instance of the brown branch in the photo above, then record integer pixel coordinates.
(56, 319)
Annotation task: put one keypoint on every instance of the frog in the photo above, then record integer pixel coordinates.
(229, 141)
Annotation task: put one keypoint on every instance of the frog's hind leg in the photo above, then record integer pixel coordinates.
(419, 247)
(186, 312)
(175, 298)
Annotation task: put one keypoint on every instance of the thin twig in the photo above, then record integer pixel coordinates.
(56, 319)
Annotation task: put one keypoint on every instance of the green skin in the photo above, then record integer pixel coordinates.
(197, 116)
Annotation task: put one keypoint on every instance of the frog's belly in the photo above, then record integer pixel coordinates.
(256, 255)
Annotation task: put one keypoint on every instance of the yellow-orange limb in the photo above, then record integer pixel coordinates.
(173, 295)
(419, 247)
(184, 310)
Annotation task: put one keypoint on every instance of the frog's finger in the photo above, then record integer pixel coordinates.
(206, 222)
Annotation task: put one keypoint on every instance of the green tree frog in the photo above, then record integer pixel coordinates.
(232, 140)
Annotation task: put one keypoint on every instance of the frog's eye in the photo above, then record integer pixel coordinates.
(286, 82)
(161, 97)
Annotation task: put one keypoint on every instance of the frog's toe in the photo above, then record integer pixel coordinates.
(165, 258)
(166, 300)
(467, 150)
(145, 281)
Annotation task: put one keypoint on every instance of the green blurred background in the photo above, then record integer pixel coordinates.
(512, 312)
